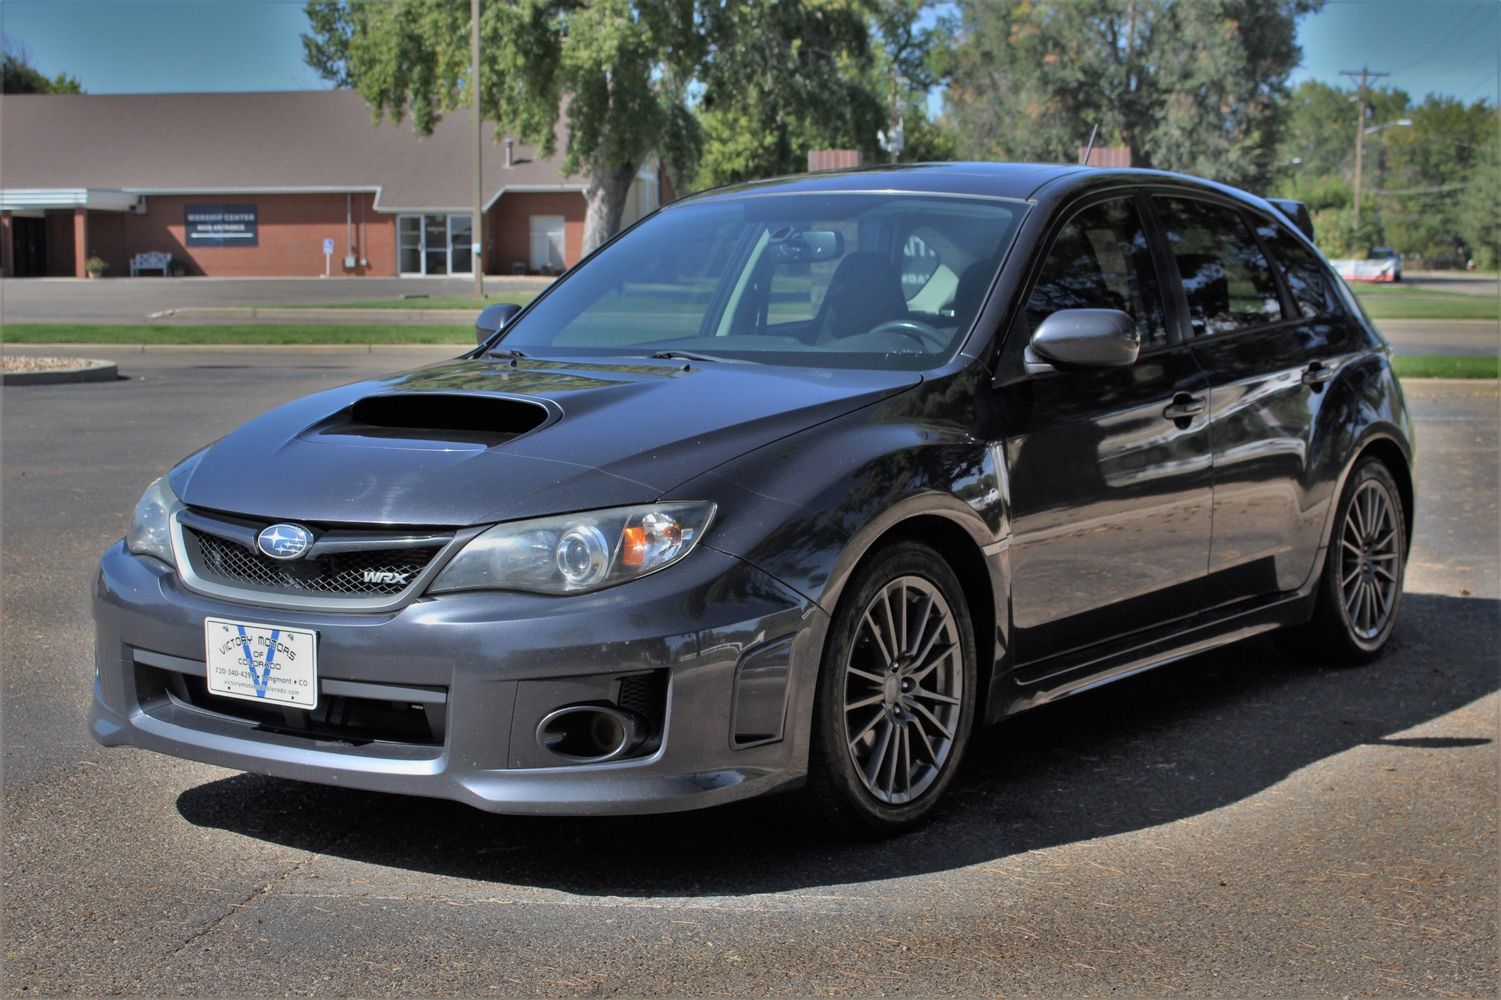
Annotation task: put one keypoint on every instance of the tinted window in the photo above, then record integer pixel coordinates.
(1226, 278)
(919, 261)
(1101, 260)
(818, 280)
(1306, 278)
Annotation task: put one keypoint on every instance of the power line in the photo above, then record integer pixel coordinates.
(1452, 35)
(1484, 80)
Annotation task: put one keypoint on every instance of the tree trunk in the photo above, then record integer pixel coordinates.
(605, 202)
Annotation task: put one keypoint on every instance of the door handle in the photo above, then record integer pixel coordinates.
(1317, 373)
(1184, 407)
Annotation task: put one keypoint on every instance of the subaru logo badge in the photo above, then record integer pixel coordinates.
(284, 541)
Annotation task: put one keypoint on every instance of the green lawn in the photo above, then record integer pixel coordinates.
(1446, 366)
(1398, 302)
(1367, 290)
(1407, 366)
(90, 333)
(1425, 308)
(456, 303)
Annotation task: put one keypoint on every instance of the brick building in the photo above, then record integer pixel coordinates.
(257, 184)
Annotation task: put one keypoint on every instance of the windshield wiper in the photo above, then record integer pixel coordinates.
(695, 356)
(504, 352)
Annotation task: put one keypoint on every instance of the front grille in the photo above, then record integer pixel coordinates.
(361, 573)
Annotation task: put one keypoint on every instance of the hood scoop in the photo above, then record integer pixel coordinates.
(450, 418)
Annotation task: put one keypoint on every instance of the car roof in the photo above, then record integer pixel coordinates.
(1023, 181)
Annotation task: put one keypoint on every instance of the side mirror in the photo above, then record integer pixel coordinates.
(492, 319)
(1087, 338)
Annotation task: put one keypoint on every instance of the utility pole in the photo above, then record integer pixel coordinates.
(477, 230)
(1366, 76)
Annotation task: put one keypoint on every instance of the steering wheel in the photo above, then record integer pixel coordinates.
(915, 329)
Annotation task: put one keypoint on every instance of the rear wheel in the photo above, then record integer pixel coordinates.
(896, 694)
(1361, 589)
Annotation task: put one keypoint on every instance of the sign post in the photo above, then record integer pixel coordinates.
(328, 257)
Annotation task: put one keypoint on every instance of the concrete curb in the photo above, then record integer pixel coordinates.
(94, 371)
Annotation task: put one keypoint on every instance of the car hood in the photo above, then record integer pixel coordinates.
(482, 440)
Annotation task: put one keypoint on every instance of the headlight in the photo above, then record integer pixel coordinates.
(577, 552)
(150, 526)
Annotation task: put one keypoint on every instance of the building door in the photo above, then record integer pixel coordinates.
(460, 244)
(547, 243)
(29, 239)
(409, 244)
(434, 244)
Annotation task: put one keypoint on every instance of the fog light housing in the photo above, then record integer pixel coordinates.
(591, 734)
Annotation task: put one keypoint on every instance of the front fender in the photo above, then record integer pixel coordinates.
(808, 508)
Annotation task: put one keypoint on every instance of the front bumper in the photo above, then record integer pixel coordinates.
(739, 652)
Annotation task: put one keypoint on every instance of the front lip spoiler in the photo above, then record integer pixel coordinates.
(620, 788)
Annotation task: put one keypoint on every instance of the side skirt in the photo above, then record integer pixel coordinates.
(1033, 684)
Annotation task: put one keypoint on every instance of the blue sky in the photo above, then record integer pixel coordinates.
(128, 46)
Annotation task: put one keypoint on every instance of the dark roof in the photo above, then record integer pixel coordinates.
(1024, 181)
(999, 180)
(225, 143)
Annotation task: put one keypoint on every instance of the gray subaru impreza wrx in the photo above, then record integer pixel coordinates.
(792, 484)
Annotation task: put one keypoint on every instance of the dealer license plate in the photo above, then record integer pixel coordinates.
(265, 663)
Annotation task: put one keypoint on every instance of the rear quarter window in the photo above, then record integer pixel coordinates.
(1307, 278)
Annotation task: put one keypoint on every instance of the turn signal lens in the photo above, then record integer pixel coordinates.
(633, 547)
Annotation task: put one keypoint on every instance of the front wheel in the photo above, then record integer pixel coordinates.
(1361, 589)
(896, 693)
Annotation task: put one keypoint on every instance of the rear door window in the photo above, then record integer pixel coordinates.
(1102, 260)
(1226, 278)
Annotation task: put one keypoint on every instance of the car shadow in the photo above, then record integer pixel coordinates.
(1173, 743)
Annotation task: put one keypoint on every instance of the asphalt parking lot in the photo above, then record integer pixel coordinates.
(1236, 824)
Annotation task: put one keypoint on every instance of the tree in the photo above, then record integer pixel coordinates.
(1480, 207)
(1426, 171)
(19, 76)
(1422, 162)
(911, 60)
(1186, 86)
(617, 70)
(781, 77)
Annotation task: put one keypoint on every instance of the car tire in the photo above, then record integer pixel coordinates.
(896, 694)
(1360, 591)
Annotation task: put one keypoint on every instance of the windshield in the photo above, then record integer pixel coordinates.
(826, 280)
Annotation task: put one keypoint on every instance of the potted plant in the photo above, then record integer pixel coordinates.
(95, 266)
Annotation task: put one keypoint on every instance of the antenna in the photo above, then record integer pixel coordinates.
(1084, 160)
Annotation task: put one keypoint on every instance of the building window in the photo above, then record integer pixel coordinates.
(435, 244)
